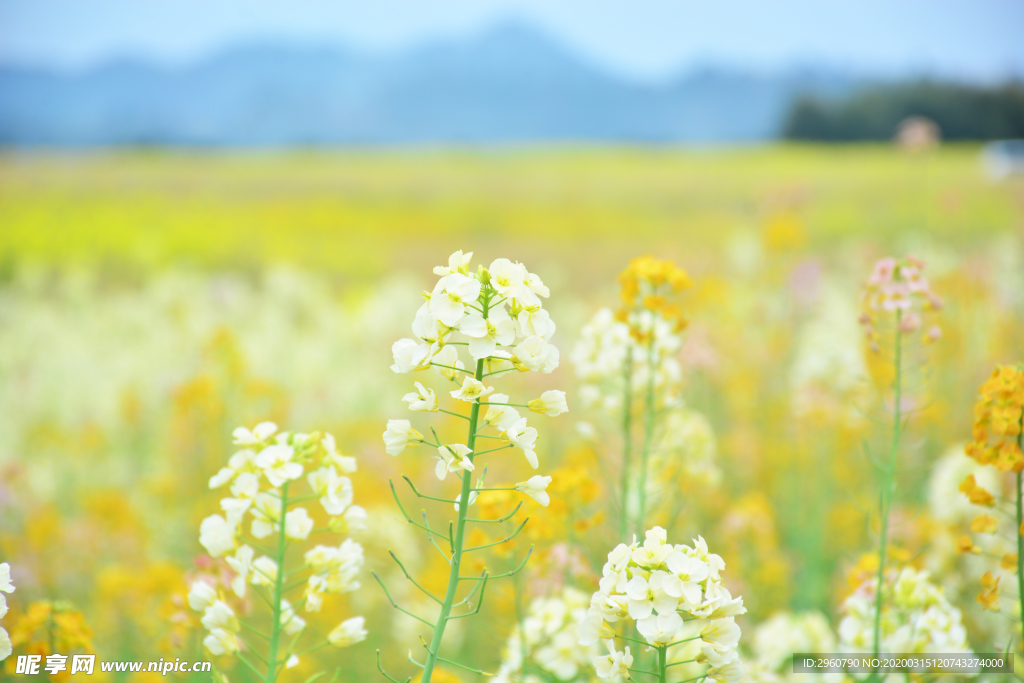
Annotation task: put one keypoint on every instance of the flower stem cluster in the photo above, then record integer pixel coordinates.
(264, 477)
(628, 357)
(997, 441)
(50, 627)
(495, 316)
(546, 644)
(899, 287)
(997, 420)
(916, 616)
(674, 595)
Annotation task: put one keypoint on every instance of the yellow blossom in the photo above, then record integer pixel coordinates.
(983, 525)
(976, 494)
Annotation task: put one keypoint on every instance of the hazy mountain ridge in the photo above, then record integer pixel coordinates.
(512, 84)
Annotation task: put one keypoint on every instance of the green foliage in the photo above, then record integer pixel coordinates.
(962, 112)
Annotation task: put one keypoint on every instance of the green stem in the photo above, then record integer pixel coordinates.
(460, 531)
(887, 482)
(662, 669)
(275, 632)
(517, 587)
(648, 436)
(627, 441)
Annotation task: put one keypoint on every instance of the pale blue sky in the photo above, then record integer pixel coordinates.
(644, 39)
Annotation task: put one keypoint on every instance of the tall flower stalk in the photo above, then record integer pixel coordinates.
(674, 597)
(898, 290)
(496, 315)
(264, 476)
(997, 441)
(626, 360)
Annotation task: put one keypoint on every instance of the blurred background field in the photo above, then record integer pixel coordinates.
(212, 216)
(359, 214)
(151, 302)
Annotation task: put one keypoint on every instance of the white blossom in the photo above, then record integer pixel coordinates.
(685, 576)
(220, 642)
(534, 353)
(297, 524)
(335, 492)
(471, 390)
(499, 415)
(486, 334)
(450, 296)
(723, 631)
(266, 512)
(660, 629)
(535, 487)
(201, 595)
(410, 355)
(551, 402)
(5, 578)
(731, 672)
(291, 623)
(242, 564)
(259, 434)
(264, 571)
(457, 263)
(276, 463)
(345, 464)
(315, 588)
(348, 632)
(509, 279)
(648, 594)
(351, 522)
(452, 458)
(238, 463)
(535, 321)
(422, 400)
(446, 359)
(217, 535)
(525, 438)
(615, 663)
(400, 434)
(219, 615)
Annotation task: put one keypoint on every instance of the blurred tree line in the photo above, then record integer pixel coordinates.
(962, 112)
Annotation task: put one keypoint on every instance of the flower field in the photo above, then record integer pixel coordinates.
(542, 414)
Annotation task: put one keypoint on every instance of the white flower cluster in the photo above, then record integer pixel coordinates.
(5, 587)
(259, 476)
(550, 644)
(605, 343)
(498, 316)
(778, 637)
(466, 303)
(686, 451)
(660, 586)
(916, 617)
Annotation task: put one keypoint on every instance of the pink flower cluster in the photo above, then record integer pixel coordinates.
(899, 287)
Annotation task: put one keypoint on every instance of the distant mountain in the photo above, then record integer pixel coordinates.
(511, 84)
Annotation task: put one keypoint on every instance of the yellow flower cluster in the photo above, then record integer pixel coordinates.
(50, 628)
(996, 439)
(997, 420)
(977, 494)
(650, 283)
